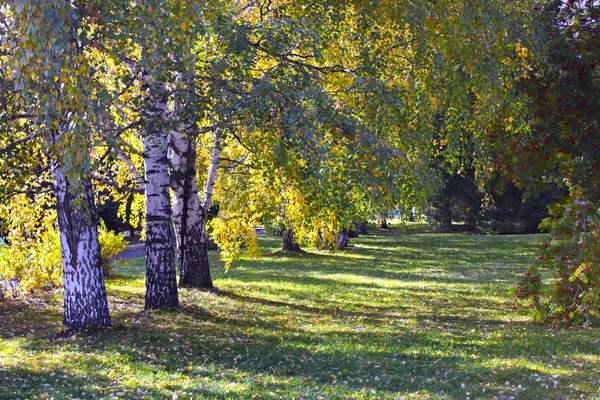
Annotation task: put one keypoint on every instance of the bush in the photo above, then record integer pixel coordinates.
(572, 256)
(111, 244)
(35, 264)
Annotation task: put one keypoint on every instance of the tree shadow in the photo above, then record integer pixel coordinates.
(306, 347)
(196, 345)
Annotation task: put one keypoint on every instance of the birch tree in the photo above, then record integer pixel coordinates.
(189, 212)
(55, 87)
(161, 285)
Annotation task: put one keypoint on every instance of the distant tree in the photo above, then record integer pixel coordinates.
(458, 200)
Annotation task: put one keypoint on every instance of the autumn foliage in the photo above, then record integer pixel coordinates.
(563, 148)
(571, 253)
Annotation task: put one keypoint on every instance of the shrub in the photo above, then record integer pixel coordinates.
(111, 244)
(31, 265)
(572, 255)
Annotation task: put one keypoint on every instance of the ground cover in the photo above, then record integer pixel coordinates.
(398, 315)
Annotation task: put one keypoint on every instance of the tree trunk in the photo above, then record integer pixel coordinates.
(444, 214)
(290, 243)
(161, 279)
(471, 220)
(189, 217)
(320, 244)
(361, 228)
(85, 301)
(128, 215)
(384, 224)
(342, 240)
(353, 233)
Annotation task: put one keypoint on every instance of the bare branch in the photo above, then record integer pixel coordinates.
(234, 163)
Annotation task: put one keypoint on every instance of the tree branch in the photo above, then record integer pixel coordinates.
(288, 58)
(234, 163)
(11, 146)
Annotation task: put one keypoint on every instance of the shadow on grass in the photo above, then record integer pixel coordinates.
(20, 318)
(292, 328)
(240, 354)
(212, 358)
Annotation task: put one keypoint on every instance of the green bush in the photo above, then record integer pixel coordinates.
(571, 254)
(31, 265)
(111, 244)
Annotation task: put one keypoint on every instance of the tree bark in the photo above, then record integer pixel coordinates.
(290, 243)
(342, 240)
(361, 228)
(161, 280)
(384, 224)
(212, 171)
(444, 213)
(85, 301)
(189, 217)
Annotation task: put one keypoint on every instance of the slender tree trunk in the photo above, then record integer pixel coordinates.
(444, 213)
(189, 217)
(207, 200)
(290, 243)
(85, 301)
(320, 242)
(161, 280)
(471, 221)
(212, 171)
(411, 216)
(128, 215)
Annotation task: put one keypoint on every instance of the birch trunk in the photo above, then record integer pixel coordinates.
(189, 216)
(212, 171)
(85, 301)
(161, 279)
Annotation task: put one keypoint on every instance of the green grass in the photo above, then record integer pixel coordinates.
(399, 315)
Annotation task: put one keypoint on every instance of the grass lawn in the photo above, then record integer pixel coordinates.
(398, 315)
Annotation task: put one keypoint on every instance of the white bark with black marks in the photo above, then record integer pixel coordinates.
(189, 216)
(85, 303)
(161, 279)
(212, 171)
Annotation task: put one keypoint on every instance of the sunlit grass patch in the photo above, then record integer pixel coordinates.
(398, 315)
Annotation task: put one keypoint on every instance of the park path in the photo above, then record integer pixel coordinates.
(131, 251)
